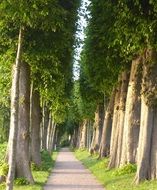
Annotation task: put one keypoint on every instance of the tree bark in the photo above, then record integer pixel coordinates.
(98, 125)
(147, 148)
(56, 139)
(89, 134)
(132, 114)
(93, 138)
(75, 137)
(79, 135)
(107, 128)
(52, 137)
(45, 124)
(14, 115)
(114, 142)
(119, 125)
(35, 121)
(124, 88)
(83, 140)
(23, 168)
(49, 132)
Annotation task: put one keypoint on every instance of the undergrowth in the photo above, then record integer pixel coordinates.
(126, 169)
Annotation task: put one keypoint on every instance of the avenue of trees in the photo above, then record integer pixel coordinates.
(111, 109)
(118, 84)
(36, 55)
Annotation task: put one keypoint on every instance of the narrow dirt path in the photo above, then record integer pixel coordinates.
(70, 174)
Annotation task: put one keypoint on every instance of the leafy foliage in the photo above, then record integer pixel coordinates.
(49, 28)
(100, 62)
(117, 32)
(3, 148)
(46, 162)
(21, 181)
(4, 169)
(126, 169)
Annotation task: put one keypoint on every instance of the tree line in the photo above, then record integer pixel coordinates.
(111, 109)
(118, 82)
(36, 54)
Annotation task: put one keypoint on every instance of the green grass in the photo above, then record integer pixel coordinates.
(108, 178)
(40, 176)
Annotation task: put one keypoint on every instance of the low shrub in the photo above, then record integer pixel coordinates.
(21, 181)
(4, 167)
(3, 148)
(35, 167)
(126, 169)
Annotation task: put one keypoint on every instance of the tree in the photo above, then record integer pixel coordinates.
(30, 17)
(128, 36)
(35, 121)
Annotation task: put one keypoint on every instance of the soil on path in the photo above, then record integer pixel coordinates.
(70, 174)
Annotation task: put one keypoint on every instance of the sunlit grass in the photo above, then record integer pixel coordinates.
(40, 177)
(108, 178)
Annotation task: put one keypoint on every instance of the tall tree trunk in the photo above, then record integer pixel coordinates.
(23, 168)
(49, 132)
(115, 121)
(79, 135)
(52, 136)
(124, 88)
(35, 121)
(45, 124)
(56, 142)
(118, 135)
(75, 137)
(132, 114)
(83, 140)
(93, 138)
(107, 128)
(89, 134)
(147, 148)
(98, 125)
(14, 114)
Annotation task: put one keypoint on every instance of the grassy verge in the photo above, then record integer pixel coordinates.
(112, 179)
(40, 174)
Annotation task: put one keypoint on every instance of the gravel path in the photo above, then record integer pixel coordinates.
(70, 174)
